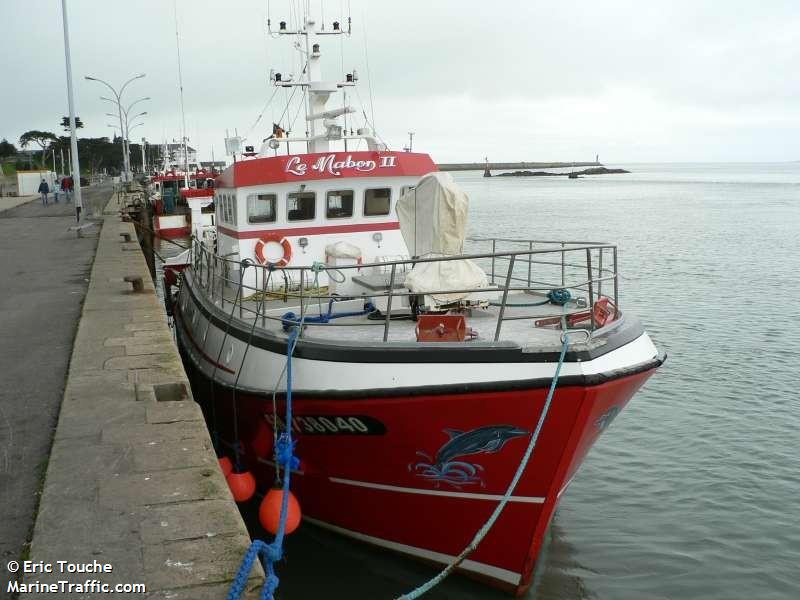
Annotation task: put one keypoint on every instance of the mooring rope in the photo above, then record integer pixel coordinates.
(433, 582)
(284, 455)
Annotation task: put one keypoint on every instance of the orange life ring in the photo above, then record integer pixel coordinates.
(274, 237)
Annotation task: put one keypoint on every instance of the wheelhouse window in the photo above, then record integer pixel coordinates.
(377, 201)
(300, 206)
(226, 204)
(232, 208)
(261, 208)
(219, 200)
(339, 204)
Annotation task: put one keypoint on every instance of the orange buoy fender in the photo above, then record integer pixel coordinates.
(277, 239)
(243, 485)
(269, 513)
(226, 465)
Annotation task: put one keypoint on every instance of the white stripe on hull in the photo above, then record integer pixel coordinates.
(408, 490)
(262, 367)
(468, 565)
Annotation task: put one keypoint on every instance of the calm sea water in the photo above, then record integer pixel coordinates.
(694, 492)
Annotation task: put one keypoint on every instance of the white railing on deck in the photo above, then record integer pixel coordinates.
(512, 265)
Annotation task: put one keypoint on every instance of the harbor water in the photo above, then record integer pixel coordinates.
(693, 492)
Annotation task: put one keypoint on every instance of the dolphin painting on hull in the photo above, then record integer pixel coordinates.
(491, 438)
(445, 466)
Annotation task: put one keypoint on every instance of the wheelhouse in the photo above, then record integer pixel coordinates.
(291, 210)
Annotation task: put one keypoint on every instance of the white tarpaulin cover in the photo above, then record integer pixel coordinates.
(433, 221)
(342, 250)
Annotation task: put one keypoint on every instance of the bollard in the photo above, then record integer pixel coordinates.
(136, 280)
(126, 237)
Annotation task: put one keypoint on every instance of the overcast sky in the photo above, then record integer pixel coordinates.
(524, 80)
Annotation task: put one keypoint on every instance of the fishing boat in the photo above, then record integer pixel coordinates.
(177, 198)
(422, 361)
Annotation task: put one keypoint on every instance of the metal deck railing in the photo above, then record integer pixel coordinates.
(514, 267)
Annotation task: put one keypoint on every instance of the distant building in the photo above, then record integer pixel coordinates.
(175, 152)
(216, 165)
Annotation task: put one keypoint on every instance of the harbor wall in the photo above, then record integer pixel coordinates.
(133, 480)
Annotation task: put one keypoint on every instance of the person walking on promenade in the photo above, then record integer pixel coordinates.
(56, 190)
(66, 185)
(44, 189)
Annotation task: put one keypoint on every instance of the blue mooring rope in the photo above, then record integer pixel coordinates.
(284, 455)
(558, 296)
(272, 553)
(290, 319)
(433, 582)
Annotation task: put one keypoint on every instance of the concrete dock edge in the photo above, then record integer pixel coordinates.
(132, 479)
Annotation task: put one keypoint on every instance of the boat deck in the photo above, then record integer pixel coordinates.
(518, 326)
(504, 312)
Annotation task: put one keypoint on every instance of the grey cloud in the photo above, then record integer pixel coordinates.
(470, 77)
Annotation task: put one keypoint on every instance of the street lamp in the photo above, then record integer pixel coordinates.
(125, 112)
(118, 96)
(128, 130)
(132, 104)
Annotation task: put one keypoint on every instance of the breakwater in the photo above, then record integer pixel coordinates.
(508, 166)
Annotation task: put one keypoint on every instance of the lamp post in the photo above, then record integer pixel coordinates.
(125, 112)
(126, 129)
(118, 96)
(76, 169)
(144, 156)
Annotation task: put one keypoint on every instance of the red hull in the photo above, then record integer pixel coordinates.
(379, 486)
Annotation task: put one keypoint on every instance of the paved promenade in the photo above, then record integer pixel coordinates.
(44, 274)
(132, 479)
(8, 202)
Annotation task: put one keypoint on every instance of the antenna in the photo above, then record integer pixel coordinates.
(183, 114)
(369, 76)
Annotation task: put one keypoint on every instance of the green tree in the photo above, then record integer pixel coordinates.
(7, 149)
(41, 138)
(65, 123)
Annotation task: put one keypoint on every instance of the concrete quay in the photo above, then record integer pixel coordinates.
(43, 279)
(132, 478)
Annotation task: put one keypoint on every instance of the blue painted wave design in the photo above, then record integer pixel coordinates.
(447, 467)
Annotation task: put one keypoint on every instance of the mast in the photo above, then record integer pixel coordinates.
(183, 113)
(319, 135)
